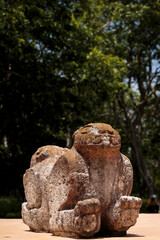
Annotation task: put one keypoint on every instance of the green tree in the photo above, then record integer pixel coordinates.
(53, 77)
(66, 63)
(134, 31)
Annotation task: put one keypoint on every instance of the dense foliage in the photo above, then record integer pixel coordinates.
(67, 63)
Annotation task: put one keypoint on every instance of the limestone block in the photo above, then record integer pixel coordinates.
(81, 191)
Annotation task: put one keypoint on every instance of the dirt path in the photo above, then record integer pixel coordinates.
(147, 227)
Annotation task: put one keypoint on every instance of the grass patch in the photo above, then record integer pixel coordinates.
(10, 207)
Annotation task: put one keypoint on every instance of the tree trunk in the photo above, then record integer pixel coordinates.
(69, 140)
(141, 162)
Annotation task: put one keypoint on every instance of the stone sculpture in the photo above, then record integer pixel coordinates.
(81, 191)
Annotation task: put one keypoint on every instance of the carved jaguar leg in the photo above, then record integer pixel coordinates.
(88, 217)
(83, 220)
(124, 214)
(35, 211)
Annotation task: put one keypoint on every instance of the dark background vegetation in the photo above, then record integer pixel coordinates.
(66, 63)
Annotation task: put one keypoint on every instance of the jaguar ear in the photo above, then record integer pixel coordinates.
(74, 134)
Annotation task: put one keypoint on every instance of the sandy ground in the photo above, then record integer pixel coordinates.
(147, 227)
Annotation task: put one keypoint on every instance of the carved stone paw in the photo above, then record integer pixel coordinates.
(87, 206)
(128, 202)
(87, 217)
(125, 212)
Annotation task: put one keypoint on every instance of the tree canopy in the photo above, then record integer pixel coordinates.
(67, 63)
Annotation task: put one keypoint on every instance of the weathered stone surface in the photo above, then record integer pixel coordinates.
(81, 191)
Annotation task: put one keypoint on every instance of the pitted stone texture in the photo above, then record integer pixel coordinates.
(79, 192)
(47, 152)
(35, 211)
